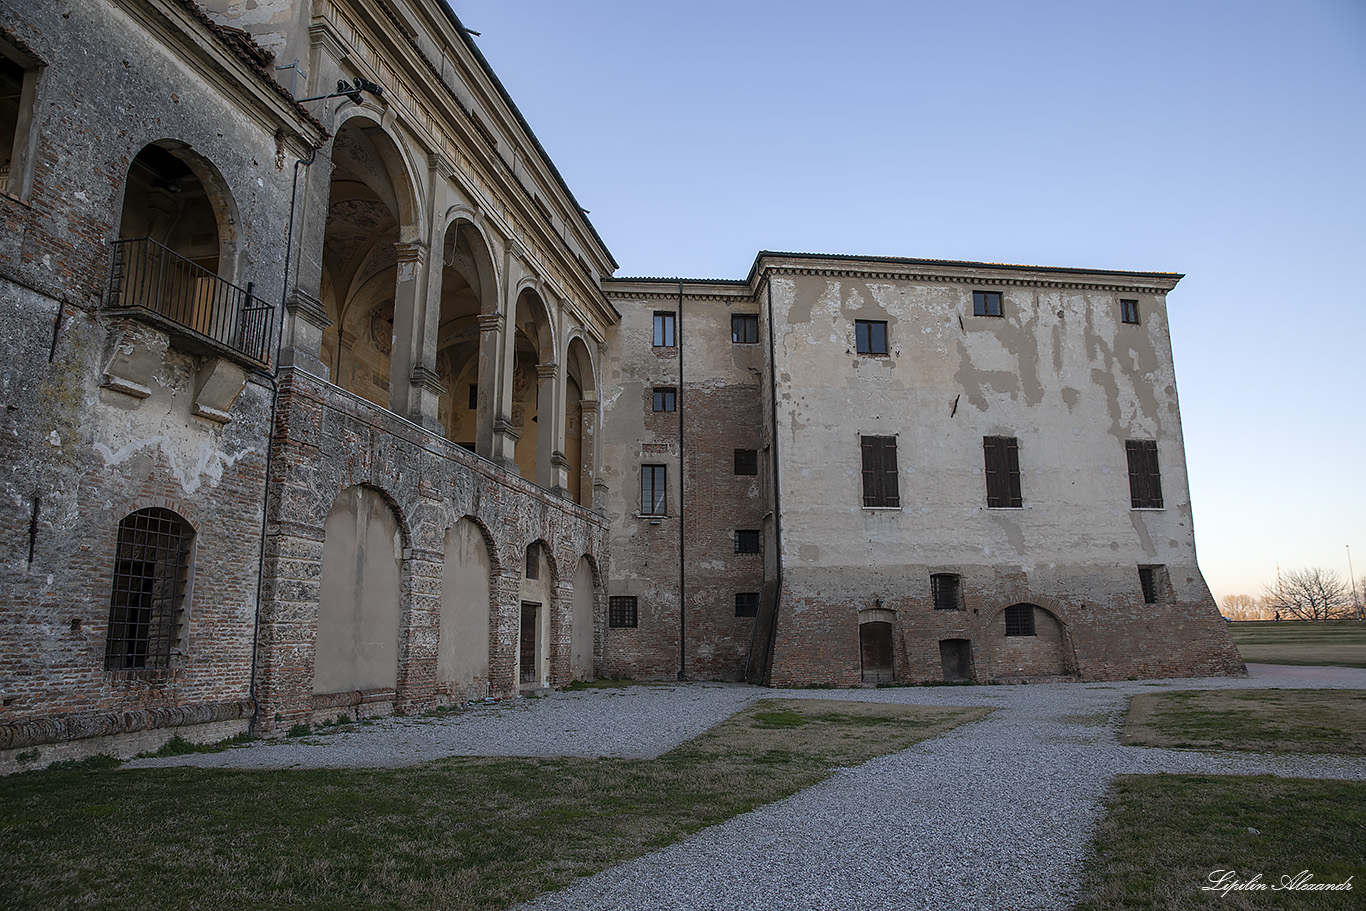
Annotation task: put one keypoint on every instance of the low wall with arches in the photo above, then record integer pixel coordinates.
(403, 572)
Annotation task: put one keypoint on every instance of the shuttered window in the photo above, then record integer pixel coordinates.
(1145, 483)
(1003, 472)
(879, 471)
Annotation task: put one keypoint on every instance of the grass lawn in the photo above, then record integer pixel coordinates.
(1165, 836)
(1262, 720)
(453, 834)
(1332, 642)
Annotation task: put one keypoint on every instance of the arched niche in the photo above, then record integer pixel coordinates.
(1029, 642)
(582, 636)
(359, 612)
(463, 638)
(176, 198)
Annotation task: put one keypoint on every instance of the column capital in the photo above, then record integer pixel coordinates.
(303, 305)
(427, 379)
(547, 371)
(488, 322)
(411, 251)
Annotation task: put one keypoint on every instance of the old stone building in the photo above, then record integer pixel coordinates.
(321, 399)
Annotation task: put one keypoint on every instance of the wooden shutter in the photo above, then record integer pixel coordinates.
(879, 472)
(1145, 481)
(1002, 456)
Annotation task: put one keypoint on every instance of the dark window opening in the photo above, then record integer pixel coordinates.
(747, 461)
(744, 328)
(18, 87)
(986, 303)
(747, 541)
(746, 604)
(526, 657)
(947, 591)
(1128, 311)
(665, 399)
(533, 564)
(653, 487)
(879, 472)
(474, 397)
(664, 329)
(1154, 582)
(955, 656)
(1002, 456)
(870, 336)
(1145, 482)
(621, 612)
(1020, 620)
(151, 572)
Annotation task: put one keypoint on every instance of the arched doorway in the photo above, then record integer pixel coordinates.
(877, 659)
(369, 203)
(468, 290)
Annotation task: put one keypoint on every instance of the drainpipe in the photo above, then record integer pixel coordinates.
(272, 377)
(777, 489)
(682, 474)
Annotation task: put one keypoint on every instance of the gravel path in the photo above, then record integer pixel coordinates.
(993, 815)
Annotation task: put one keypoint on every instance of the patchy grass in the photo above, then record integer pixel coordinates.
(604, 683)
(179, 746)
(1166, 835)
(1332, 642)
(466, 833)
(1263, 720)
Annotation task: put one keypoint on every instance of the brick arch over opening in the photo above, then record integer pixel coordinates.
(1028, 641)
(462, 667)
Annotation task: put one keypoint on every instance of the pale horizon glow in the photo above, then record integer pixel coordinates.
(1222, 140)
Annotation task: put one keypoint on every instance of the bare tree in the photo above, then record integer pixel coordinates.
(1311, 594)
(1240, 607)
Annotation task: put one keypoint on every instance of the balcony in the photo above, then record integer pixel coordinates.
(189, 300)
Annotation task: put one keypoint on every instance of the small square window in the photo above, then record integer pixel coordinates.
(474, 397)
(1153, 580)
(621, 612)
(1020, 620)
(666, 399)
(654, 482)
(746, 604)
(664, 329)
(1128, 311)
(747, 541)
(870, 336)
(986, 303)
(746, 461)
(947, 591)
(744, 328)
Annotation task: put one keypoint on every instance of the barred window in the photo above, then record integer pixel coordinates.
(151, 573)
(947, 593)
(621, 612)
(747, 541)
(746, 604)
(1154, 582)
(1020, 620)
(1145, 482)
(1003, 472)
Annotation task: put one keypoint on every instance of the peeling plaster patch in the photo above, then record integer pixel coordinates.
(1070, 397)
(209, 465)
(1146, 539)
(1014, 534)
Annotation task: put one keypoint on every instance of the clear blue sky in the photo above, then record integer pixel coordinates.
(1225, 140)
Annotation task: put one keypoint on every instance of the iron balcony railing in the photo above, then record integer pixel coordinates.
(147, 275)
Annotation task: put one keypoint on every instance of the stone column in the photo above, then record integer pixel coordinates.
(486, 442)
(588, 421)
(409, 380)
(550, 462)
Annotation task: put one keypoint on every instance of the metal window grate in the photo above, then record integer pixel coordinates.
(747, 541)
(746, 604)
(1153, 579)
(151, 570)
(1020, 620)
(746, 461)
(946, 591)
(621, 612)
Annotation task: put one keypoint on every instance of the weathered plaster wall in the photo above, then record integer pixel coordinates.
(1059, 372)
